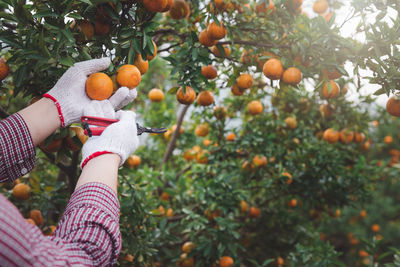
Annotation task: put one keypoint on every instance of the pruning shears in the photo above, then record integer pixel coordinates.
(102, 124)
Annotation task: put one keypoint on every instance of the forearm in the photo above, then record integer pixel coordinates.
(41, 118)
(102, 169)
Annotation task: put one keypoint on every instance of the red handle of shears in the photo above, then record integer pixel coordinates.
(98, 121)
(96, 131)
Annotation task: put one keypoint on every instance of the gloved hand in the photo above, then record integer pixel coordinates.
(69, 93)
(119, 138)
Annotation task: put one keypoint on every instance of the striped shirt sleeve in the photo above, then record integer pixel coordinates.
(87, 235)
(17, 151)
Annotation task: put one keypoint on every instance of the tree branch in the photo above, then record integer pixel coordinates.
(172, 143)
(251, 43)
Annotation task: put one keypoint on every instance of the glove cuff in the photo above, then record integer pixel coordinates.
(94, 155)
(60, 115)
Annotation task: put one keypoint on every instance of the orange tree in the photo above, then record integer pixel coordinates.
(259, 170)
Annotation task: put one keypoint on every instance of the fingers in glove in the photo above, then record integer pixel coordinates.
(126, 116)
(92, 110)
(119, 96)
(128, 99)
(94, 65)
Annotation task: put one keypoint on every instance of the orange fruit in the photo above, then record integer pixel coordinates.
(226, 261)
(243, 206)
(273, 69)
(292, 203)
(280, 261)
(392, 106)
(79, 132)
(254, 212)
(388, 139)
(179, 10)
(156, 95)
(21, 191)
(345, 136)
(262, 8)
(254, 107)
(244, 81)
(201, 130)
(217, 53)
(260, 161)
(359, 137)
(220, 112)
(187, 247)
(128, 258)
(291, 123)
(187, 98)
(52, 229)
(210, 72)
(205, 98)
(53, 146)
(236, 90)
(363, 253)
(320, 6)
(206, 142)
(330, 90)
(161, 210)
(101, 27)
(36, 216)
(129, 76)
(165, 196)
(292, 76)
(85, 27)
(167, 7)
(169, 212)
(331, 136)
(155, 5)
(29, 220)
(363, 214)
(375, 228)
(173, 128)
(230, 137)
(99, 86)
(289, 176)
(142, 65)
(4, 69)
(206, 40)
(189, 262)
(219, 4)
(201, 157)
(328, 16)
(216, 32)
(331, 74)
(326, 110)
(150, 57)
(133, 161)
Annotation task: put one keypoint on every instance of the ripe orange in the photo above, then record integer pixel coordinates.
(280, 261)
(201, 130)
(292, 76)
(254, 107)
(206, 40)
(388, 139)
(217, 53)
(53, 146)
(4, 69)
(36, 216)
(363, 214)
(330, 90)
(392, 106)
(273, 69)
(331, 136)
(173, 128)
(187, 98)
(201, 157)
(29, 220)
(291, 123)
(262, 8)
(292, 203)
(230, 137)
(187, 247)
(219, 4)
(142, 65)
(254, 212)
(133, 161)
(99, 86)
(226, 261)
(52, 229)
(165, 196)
(326, 110)
(216, 32)
(363, 253)
(244, 81)
(21, 191)
(328, 16)
(206, 142)
(243, 206)
(156, 95)
(375, 228)
(79, 132)
(210, 72)
(167, 7)
(320, 6)
(85, 27)
(150, 57)
(155, 5)
(205, 98)
(346, 136)
(187, 262)
(129, 76)
(179, 10)
(161, 210)
(289, 176)
(260, 161)
(220, 112)
(359, 137)
(236, 90)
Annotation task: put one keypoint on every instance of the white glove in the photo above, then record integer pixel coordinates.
(69, 93)
(118, 138)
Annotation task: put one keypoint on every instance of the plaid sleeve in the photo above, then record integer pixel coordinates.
(89, 229)
(17, 151)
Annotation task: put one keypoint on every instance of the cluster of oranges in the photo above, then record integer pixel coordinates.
(345, 136)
